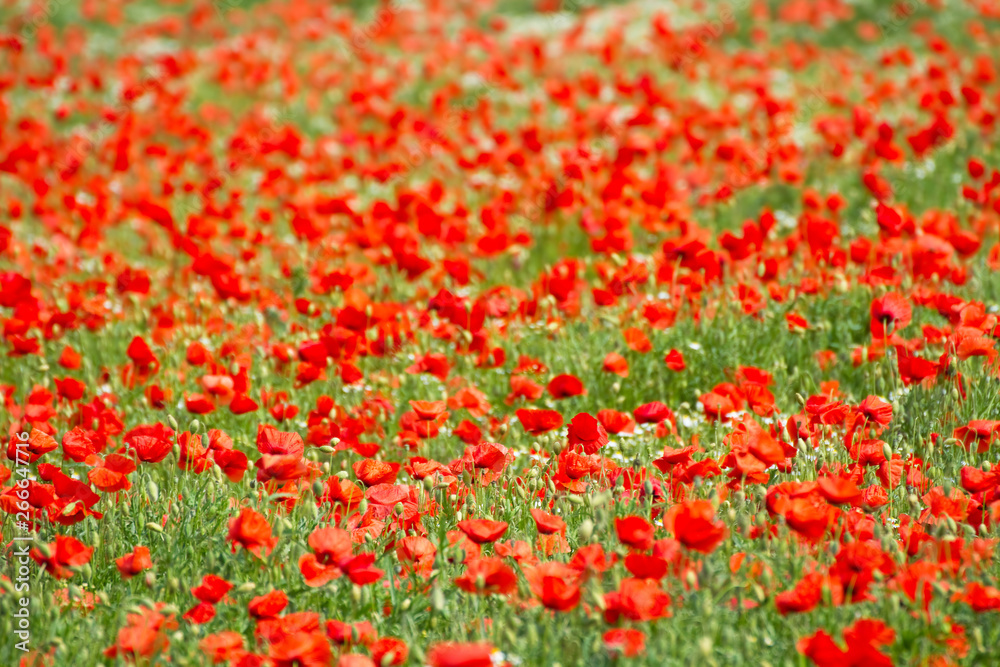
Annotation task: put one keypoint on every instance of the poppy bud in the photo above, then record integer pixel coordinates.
(155, 527)
(887, 451)
(327, 449)
(437, 599)
(407, 603)
(172, 422)
(977, 634)
(195, 426)
(356, 593)
(150, 579)
(586, 530)
(153, 490)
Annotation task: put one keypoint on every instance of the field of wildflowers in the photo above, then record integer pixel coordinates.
(507, 332)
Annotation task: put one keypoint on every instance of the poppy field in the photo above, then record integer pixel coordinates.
(506, 332)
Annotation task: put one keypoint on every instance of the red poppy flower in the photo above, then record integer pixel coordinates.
(546, 523)
(483, 531)
(371, 472)
(452, 654)
(64, 553)
(891, 312)
(875, 409)
(586, 432)
(693, 524)
(636, 600)
(389, 651)
(487, 576)
(565, 386)
(268, 605)
(808, 593)
(614, 421)
(300, 649)
(652, 413)
(864, 640)
(635, 532)
(555, 585)
(428, 409)
(981, 598)
(111, 475)
(536, 422)
(212, 589)
(140, 353)
(979, 432)
(637, 341)
(627, 642)
(151, 443)
(251, 531)
(615, 363)
(135, 562)
(675, 361)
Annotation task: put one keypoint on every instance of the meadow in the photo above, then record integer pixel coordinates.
(461, 334)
